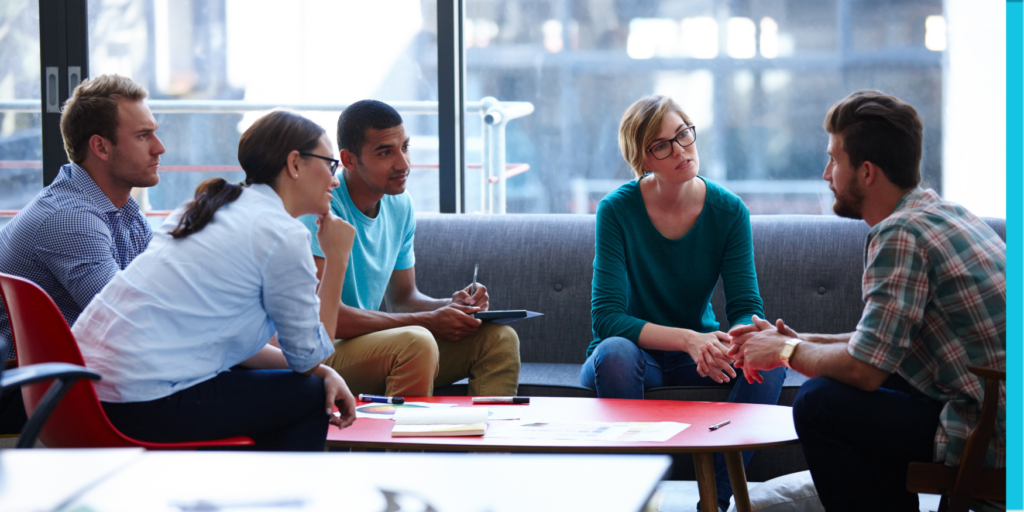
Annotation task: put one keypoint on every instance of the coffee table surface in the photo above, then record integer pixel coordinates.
(751, 427)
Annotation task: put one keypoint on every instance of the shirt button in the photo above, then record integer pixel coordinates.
(558, 287)
(821, 290)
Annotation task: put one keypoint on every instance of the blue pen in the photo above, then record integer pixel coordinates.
(397, 400)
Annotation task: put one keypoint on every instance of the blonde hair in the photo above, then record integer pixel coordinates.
(640, 126)
(92, 110)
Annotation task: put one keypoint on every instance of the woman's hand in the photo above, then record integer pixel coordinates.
(710, 352)
(337, 394)
(335, 236)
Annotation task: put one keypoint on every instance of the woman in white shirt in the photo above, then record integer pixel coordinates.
(181, 335)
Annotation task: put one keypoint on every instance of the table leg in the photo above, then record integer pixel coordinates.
(705, 465)
(738, 478)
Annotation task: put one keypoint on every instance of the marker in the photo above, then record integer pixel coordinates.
(717, 426)
(397, 400)
(472, 287)
(501, 400)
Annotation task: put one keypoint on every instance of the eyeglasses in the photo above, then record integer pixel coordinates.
(663, 149)
(333, 163)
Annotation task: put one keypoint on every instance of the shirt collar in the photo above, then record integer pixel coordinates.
(268, 191)
(84, 182)
(916, 198)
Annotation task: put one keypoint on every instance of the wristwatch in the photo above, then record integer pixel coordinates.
(788, 349)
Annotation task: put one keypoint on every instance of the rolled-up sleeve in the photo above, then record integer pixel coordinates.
(895, 292)
(289, 297)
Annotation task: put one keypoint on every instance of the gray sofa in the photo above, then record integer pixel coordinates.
(808, 269)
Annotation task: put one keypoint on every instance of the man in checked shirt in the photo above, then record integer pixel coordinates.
(84, 227)
(897, 389)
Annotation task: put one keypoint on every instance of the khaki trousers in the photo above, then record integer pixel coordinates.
(409, 361)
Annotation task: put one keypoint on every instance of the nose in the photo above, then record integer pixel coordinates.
(335, 182)
(827, 174)
(404, 163)
(159, 149)
(677, 147)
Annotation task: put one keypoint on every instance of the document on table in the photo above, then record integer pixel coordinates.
(658, 432)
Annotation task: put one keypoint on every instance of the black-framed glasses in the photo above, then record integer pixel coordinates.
(333, 162)
(661, 150)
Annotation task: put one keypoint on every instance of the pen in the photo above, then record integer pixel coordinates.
(397, 400)
(717, 426)
(472, 288)
(501, 400)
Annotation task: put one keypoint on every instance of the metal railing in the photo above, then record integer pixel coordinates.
(582, 188)
(494, 114)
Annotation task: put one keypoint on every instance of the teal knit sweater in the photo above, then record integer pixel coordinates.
(640, 276)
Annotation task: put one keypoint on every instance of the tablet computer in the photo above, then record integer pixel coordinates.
(495, 315)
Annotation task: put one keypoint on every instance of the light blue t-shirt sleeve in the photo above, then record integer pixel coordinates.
(406, 256)
(310, 222)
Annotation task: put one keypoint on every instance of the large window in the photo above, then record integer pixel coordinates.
(545, 84)
(214, 66)
(755, 77)
(20, 135)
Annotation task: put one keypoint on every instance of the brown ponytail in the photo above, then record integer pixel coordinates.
(210, 196)
(263, 153)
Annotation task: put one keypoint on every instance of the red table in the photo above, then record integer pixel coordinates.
(751, 427)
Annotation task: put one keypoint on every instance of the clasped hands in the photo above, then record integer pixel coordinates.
(757, 346)
(748, 347)
(456, 321)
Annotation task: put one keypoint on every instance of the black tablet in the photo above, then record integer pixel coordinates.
(494, 315)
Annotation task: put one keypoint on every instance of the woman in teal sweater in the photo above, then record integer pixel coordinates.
(663, 240)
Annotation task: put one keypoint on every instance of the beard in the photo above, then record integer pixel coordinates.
(850, 202)
(134, 174)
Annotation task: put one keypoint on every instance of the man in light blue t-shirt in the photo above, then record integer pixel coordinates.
(421, 342)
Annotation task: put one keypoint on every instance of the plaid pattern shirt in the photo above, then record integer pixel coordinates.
(935, 294)
(70, 240)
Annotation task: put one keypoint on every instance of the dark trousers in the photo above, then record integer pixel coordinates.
(278, 409)
(858, 444)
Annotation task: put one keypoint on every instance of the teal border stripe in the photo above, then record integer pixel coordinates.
(1014, 239)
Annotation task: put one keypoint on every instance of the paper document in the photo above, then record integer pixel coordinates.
(590, 431)
(507, 412)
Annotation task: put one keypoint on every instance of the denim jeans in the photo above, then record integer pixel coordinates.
(858, 443)
(618, 368)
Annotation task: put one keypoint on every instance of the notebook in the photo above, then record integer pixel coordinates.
(439, 422)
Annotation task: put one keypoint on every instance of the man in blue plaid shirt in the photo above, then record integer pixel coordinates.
(84, 227)
(897, 389)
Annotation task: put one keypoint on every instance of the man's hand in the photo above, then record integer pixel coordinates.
(756, 347)
(337, 394)
(480, 299)
(709, 351)
(453, 322)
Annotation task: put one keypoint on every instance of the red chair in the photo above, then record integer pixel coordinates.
(42, 336)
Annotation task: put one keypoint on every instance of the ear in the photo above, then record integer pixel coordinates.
(292, 164)
(100, 147)
(871, 173)
(348, 159)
